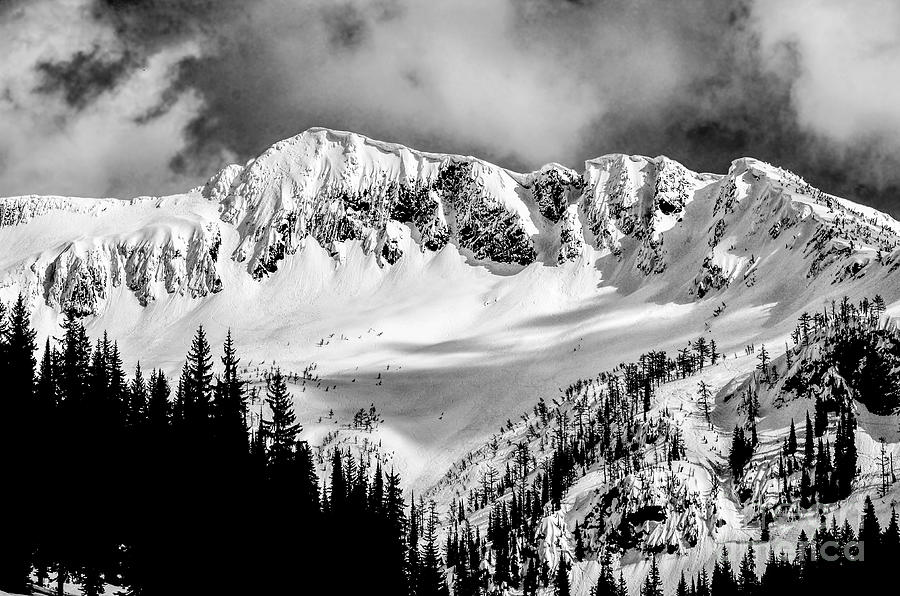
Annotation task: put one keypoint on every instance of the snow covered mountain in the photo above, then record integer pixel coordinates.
(453, 294)
(644, 219)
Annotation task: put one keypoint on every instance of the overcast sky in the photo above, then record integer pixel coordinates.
(128, 97)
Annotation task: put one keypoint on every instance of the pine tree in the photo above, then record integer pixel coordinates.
(748, 579)
(806, 490)
(821, 416)
(230, 404)
(890, 539)
(682, 588)
(283, 428)
(395, 519)
(606, 582)
(652, 583)
(376, 494)
(870, 530)
(307, 484)
(562, 578)
(138, 399)
(158, 407)
(723, 582)
(763, 366)
(74, 362)
(117, 389)
(197, 379)
(792, 439)
(338, 483)
(17, 459)
(766, 519)
(808, 445)
(741, 452)
(845, 454)
(431, 577)
(705, 395)
(702, 349)
(20, 350)
(703, 583)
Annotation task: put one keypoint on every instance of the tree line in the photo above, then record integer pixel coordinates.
(159, 487)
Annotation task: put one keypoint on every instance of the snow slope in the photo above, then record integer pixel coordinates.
(448, 291)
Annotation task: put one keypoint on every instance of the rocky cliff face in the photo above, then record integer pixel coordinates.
(642, 220)
(82, 261)
(335, 186)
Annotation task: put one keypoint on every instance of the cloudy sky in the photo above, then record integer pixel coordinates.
(127, 97)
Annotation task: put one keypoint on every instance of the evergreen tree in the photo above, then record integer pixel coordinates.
(870, 529)
(20, 350)
(606, 582)
(413, 565)
(682, 588)
(792, 439)
(705, 396)
(723, 581)
(230, 405)
(395, 541)
(806, 489)
(307, 493)
(890, 540)
(748, 578)
(197, 379)
(808, 445)
(17, 363)
(138, 398)
(763, 366)
(283, 428)
(652, 583)
(117, 396)
(562, 578)
(821, 416)
(431, 577)
(158, 407)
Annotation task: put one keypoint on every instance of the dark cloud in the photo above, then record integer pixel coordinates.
(519, 82)
(347, 25)
(84, 76)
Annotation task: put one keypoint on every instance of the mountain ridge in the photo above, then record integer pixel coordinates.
(622, 212)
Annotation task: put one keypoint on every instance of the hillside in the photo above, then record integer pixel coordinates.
(456, 296)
